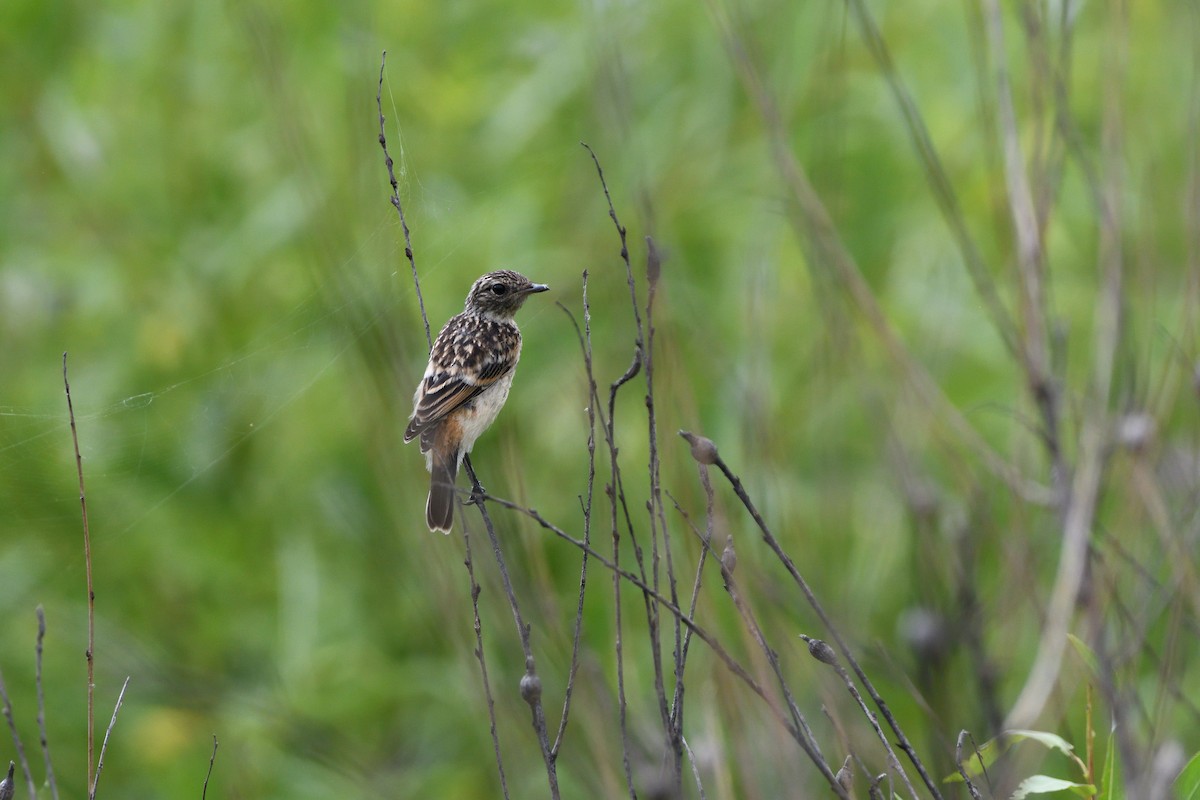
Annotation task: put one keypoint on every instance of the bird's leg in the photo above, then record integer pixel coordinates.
(478, 493)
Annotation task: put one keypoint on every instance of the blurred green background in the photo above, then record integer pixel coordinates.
(193, 205)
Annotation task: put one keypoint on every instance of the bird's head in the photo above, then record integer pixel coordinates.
(501, 293)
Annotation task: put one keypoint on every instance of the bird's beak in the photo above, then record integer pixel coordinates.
(537, 287)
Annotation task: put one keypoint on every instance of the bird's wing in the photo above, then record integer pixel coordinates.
(443, 392)
(459, 369)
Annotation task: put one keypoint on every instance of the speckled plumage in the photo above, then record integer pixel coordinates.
(466, 382)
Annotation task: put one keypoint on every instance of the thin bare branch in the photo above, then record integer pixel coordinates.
(809, 742)
(585, 344)
(16, 737)
(643, 357)
(612, 213)
(843, 647)
(530, 683)
(658, 520)
(706, 539)
(212, 759)
(387, 158)
(616, 493)
(824, 653)
(91, 595)
(104, 745)
(479, 656)
(962, 770)
(705, 636)
(41, 701)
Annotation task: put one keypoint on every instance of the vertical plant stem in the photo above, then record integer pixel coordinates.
(104, 745)
(816, 606)
(615, 492)
(16, 737)
(643, 357)
(41, 701)
(530, 683)
(91, 595)
(387, 158)
(585, 342)
(479, 656)
(212, 759)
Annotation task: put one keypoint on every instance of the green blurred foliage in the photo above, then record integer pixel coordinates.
(194, 206)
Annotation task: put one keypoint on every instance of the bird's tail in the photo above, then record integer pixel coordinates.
(439, 508)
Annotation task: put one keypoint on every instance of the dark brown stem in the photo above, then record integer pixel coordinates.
(16, 737)
(642, 357)
(483, 670)
(617, 493)
(104, 745)
(478, 496)
(788, 564)
(808, 742)
(41, 701)
(91, 595)
(212, 759)
(962, 770)
(387, 159)
(623, 574)
(822, 652)
(585, 343)
(706, 539)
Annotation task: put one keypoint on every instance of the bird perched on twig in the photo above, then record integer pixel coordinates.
(466, 383)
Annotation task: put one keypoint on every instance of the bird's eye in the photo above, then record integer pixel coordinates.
(498, 289)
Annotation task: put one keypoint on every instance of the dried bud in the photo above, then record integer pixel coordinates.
(845, 775)
(531, 688)
(820, 651)
(728, 558)
(6, 785)
(703, 449)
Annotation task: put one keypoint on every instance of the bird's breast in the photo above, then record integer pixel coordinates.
(481, 412)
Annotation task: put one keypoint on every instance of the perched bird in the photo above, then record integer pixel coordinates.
(466, 383)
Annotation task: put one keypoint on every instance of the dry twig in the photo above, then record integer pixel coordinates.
(41, 701)
(530, 683)
(212, 759)
(91, 595)
(104, 745)
(16, 737)
(387, 158)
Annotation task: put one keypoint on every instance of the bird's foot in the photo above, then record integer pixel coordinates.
(478, 495)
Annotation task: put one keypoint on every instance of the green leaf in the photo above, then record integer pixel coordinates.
(1110, 789)
(1188, 782)
(980, 759)
(992, 749)
(1044, 784)
(1050, 740)
(1085, 653)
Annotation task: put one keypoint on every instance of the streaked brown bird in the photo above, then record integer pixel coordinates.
(466, 383)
